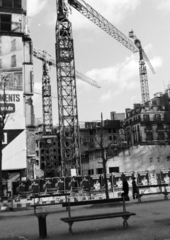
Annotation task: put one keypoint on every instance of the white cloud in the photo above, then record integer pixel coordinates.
(118, 74)
(106, 97)
(122, 76)
(148, 47)
(163, 5)
(35, 6)
(156, 62)
(114, 11)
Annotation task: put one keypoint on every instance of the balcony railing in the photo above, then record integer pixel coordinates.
(160, 129)
(10, 27)
(148, 130)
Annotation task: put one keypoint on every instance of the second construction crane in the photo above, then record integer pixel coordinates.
(48, 136)
(142, 68)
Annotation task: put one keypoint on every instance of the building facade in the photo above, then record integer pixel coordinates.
(150, 123)
(90, 141)
(16, 71)
(42, 153)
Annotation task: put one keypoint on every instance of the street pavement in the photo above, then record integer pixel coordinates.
(152, 222)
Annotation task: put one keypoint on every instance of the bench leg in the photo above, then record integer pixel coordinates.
(139, 198)
(42, 226)
(166, 197)
(125, 223)
(70, 227)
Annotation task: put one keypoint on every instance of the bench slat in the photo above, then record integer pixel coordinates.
(44, 204)
(143, 194)
(48, 195)
(96, 216)
(79, 203)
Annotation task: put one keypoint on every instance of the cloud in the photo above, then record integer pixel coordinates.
(117, 74)
(156, 62)
(35, 6)
(122, 76)
(106, 97)
(163, 5)
(114, 11)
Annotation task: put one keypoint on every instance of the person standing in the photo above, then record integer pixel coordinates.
(134, 188)
(125, 187)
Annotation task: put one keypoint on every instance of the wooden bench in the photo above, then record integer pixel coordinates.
(71, 219)
(165, 193)
(35, 205)
(42, 215)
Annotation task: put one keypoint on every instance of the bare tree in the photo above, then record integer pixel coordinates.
(3, 119)
(105, 146)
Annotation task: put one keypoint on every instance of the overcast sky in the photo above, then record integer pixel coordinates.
(102, 58)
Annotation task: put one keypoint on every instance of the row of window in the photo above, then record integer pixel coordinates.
(156, 117)
(11, 3)
(13, 62)
(161, 136)
(159, 127)
(13, 46)
(100, 170)
(147, 118)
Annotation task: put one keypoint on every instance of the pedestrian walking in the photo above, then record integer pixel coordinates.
(125, 187)
(134, 188)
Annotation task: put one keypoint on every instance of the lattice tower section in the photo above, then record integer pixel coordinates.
(144, 81)
(67, 95)
(47, 121)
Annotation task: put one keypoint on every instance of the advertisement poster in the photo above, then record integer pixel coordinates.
(95, 182)
(33, 186)
(58, 183)
(152, 178)
(85, 183)
(129, 177)
(42, 185)
(55, 182)
(12, 103)
(117, 180)
(165, 176)
(73, 183)
(47, 185)
(109, 182)
(143, 178)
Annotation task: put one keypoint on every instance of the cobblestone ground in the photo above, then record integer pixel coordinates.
(152, 222)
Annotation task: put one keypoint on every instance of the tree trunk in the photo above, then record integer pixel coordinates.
(105, 179)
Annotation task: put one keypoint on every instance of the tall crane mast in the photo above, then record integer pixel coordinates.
(100, 21)
(48, 136)
(142, 68)
(67, 92)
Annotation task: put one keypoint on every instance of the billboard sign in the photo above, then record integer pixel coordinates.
(165, 176)
(12, 103)
(143, 178)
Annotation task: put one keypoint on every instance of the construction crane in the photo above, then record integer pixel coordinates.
(101, 22)
(66, 84)
(142, 68)
(48, 136)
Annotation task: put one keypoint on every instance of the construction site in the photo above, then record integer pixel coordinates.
(137, 139)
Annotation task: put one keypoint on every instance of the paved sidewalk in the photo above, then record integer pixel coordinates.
(152, 222)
